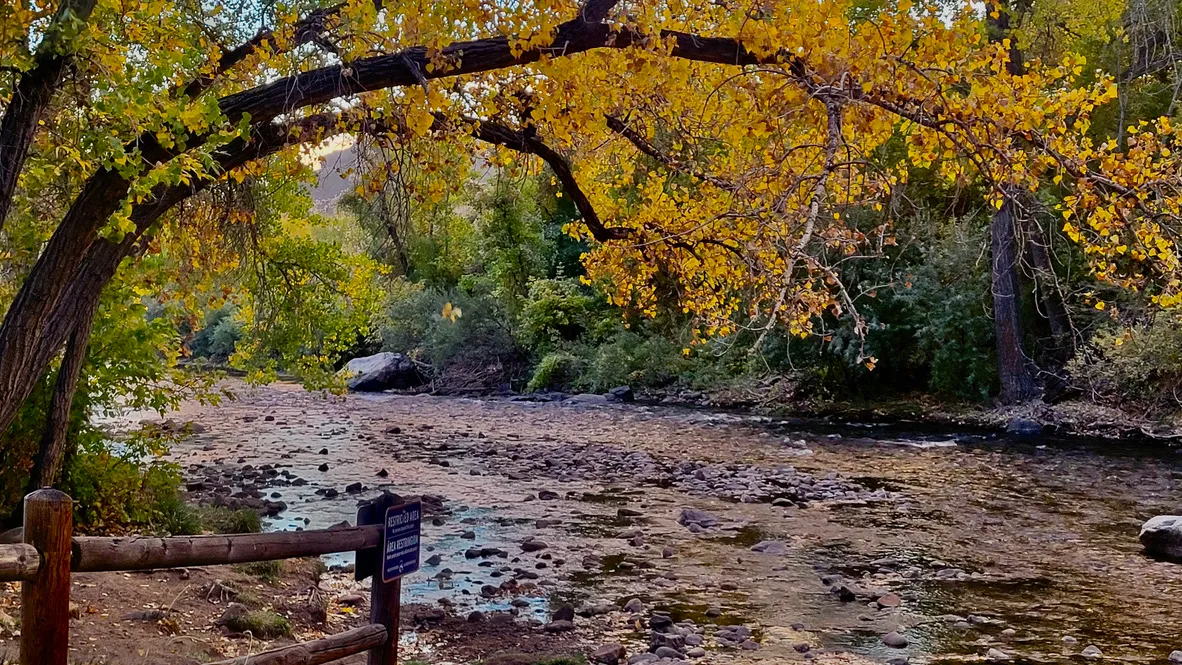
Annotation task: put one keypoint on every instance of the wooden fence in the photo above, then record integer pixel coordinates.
(50, 553)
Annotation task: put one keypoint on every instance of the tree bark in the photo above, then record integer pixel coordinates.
(48, 464)
(1013, 365)
(33, 94)
(1051, 299)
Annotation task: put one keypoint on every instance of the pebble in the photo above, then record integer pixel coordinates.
(634, 606)
(895, 640)
(1176, 656)
(1092, 651)
(996, 654)
(667, 652)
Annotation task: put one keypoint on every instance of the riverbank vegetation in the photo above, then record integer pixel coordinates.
(792, 204)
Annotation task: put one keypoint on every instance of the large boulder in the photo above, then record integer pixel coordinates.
(383, 371)
(1162, 537)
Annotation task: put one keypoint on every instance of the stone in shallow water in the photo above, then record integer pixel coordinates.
(667, 652)
(1023, 427)
(996, 654)
(1162, 537)
(1092, 651)
(895, 640)
(700, 518)
(770, 547)
(1176, 656)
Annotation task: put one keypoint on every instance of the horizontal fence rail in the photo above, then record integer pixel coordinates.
(324, 650)
(44, 562)
(19, 562)
(92, 555)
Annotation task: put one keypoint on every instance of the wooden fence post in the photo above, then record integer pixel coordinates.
(45, 600)
(385, 600)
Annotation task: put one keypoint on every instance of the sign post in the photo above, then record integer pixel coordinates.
(398, 556)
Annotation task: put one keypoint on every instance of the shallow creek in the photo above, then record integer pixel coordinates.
(1027, 547)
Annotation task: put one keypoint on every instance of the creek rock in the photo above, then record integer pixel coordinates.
(585, 399)
(559, 627)
(1162, 537)
(609, 654)
(621, 394)
(383, 371)
(895, 640)
(1019, 426)
(770, 547)
(1176, 656)
(701, 518)
(667, 652)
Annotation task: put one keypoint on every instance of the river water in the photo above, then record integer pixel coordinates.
(1028, 547)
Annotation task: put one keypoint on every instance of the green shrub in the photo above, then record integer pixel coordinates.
(555, 311)
(113, 493)
(177, 518)
(218, 338)
(630, 358)
(476, 351)
(556, 371)
(1136, 366)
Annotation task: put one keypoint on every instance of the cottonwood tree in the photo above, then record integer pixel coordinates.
(719, 147)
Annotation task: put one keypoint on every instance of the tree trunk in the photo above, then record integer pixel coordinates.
(48, 464)
(33, 94)
(1013, 365)
(1062, 332)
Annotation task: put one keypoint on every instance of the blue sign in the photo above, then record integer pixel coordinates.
(401, 547)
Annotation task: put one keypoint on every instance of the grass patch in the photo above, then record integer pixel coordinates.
(266, 571)
(263, 624)
(220, 519)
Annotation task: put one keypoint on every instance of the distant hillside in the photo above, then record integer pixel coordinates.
(331, 183)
